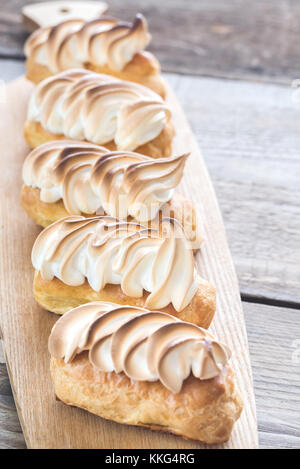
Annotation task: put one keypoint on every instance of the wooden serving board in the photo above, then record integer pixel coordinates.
(25, 327)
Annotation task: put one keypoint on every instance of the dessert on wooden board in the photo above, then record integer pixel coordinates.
(79, 259)
(105, 45)
(67, 177)
(146, 368)
(131, 344)
(101, 109)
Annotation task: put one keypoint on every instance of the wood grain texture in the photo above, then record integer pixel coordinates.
(275, 359)
(274, 339)
(11, 435)
(25, 327)
(254, 40)
(250, 139)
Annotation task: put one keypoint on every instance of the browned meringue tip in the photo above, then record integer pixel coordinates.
(103, 250)
(145, 345)
(98, 108)
(89, 178)
(74, 42)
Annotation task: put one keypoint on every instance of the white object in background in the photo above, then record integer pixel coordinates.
(50, 13)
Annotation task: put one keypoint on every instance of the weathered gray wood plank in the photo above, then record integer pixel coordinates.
(11, 435)
(250, 139)
(256, 40)
(274, 340)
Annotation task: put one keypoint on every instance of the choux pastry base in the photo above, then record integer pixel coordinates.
(57, 297)
(159, 147)
(203, 410)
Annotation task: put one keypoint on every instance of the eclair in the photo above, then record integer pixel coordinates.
(145, 368)
(79, 260)
(64, 178)
(104, 45)
(82, 105)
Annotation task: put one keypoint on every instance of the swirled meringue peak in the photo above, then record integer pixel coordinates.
(145, 345)
(104, 250)
(90, 179)
(74, 43)
(84, 105)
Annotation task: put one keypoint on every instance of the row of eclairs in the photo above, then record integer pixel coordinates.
(116, 256)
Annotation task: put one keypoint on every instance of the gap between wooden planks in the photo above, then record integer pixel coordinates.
(25, 327)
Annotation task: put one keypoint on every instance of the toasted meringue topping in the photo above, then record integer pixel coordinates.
(98, 108)
(104, 250)
(145, 345)
(74, 43)
(89, 178)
